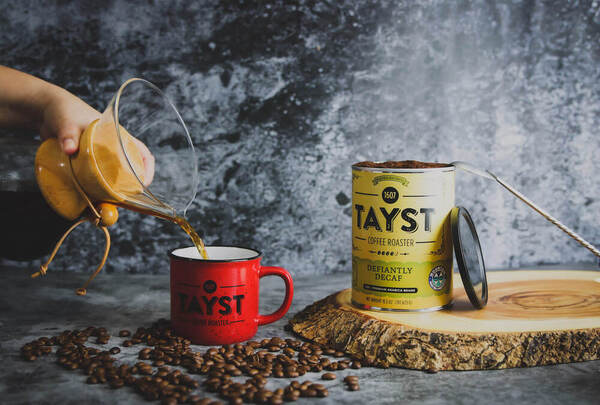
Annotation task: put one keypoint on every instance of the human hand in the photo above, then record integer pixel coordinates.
(66, 117)
(30, 102)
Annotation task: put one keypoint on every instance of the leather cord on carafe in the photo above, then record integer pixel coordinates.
(95, 219)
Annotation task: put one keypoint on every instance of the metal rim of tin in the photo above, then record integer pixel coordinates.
(448, 168)
(372, 308)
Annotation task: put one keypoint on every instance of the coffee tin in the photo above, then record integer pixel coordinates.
(401, 237)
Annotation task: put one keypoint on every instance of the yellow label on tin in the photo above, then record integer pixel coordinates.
(401, 238)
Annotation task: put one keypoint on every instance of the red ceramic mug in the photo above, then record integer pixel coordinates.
(215, 301)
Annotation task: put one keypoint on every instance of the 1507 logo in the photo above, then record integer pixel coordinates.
(390, 195)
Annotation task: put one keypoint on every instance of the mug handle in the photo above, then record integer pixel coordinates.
(289, 293)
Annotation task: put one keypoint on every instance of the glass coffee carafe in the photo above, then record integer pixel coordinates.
(110, 165)
(138, 155)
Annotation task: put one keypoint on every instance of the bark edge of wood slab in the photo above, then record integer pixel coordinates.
(533, 318)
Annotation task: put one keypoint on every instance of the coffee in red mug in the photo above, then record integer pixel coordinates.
(215, 301)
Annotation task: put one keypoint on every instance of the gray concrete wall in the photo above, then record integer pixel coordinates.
(282, 97)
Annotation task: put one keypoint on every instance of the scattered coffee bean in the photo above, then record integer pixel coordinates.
(291, 396)
(275, 400)
(102, 340)
(355, 365)
(153, 379)
(342, 365)
(310, 392)
(351, 379)
(117, 383)
(323, 393)
(352, 382)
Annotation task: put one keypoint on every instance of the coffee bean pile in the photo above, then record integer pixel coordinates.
(256, 360)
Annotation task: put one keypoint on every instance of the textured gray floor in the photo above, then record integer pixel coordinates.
(33, 308)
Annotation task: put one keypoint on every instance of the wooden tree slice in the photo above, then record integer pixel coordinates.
(533, 318)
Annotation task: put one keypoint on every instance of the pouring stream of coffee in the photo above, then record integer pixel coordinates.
(487, 174)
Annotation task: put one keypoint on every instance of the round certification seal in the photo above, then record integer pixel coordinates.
(438, 278)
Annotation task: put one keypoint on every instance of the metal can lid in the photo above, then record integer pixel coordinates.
(469, 257)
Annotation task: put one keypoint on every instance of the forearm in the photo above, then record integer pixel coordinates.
(22, 99)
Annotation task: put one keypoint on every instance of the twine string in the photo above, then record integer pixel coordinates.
(95, 219)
